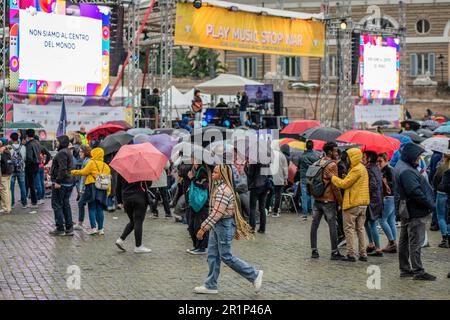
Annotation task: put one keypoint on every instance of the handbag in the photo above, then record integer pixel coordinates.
(151, 197)
(102, 181)
(197, 196)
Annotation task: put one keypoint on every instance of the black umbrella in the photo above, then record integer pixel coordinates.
(113, 142)
(427, 133)
(381, 123)
(321, 133)
(415, 125)
(414, 136)
(430, 124)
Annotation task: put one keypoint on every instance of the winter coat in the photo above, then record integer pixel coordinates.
(305, 160)
(396, 157)
(33, 153)
(356, 183)
(375, 208)
(62, 163)
(437, 181)
(254, 177)
(278, 166)
(94, 167)
(410, 185)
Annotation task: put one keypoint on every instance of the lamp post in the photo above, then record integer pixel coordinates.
(441, 61)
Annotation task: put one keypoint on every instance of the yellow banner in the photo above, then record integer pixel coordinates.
(219, 28)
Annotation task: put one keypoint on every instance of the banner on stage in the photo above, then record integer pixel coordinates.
(219, 28)
(372, 113)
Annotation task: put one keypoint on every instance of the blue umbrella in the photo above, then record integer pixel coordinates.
(136, 131)
(163, 142)
(443, 129)
(397, 136)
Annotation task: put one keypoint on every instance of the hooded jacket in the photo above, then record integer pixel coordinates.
(410, 185)
(278, 166)
(356, 183)
(375, 209)
(396, 157)
(94, 167)
(62, 163)
(33, 153)
(305, 160)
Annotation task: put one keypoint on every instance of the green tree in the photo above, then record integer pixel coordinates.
(182, 66)
(206, 63)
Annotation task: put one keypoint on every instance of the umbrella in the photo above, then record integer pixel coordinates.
(286, 141)
(431, 124)
(300, 126)
(137, 131)
(415, 125)
(397, 136)
(141, 138)
(371, 141)
(414, 136)
(440, 118)
(443, 130)
(321, 133)
(139, 162)
(318, 145)
(23, 125)
(113, 142)
(103, 130)
(125, 125)
(164, 143)
(427, 133)
(168, 131)
(381, 123)
(437, 144)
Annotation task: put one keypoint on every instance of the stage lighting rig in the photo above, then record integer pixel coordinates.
(197, 4)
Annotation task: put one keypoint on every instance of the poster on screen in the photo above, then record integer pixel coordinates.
(376, 112)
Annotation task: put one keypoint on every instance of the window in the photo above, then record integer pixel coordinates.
(421, 63)
(332, 66)
(247, 67)
(423, 26)
(292, 67)
(384, 23)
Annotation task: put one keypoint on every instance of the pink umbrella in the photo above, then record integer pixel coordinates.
(139, 162)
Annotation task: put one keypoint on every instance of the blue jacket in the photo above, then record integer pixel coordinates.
(434, 161)
(411, 185)
(403, 142)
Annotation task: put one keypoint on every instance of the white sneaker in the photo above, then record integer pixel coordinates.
(92, 232)
(101, 232)
(258, 281)
(25, 207)
(142, 249)
(78, 227)
(40, 202)
(120, 244)
(203, 290)
(275, 215)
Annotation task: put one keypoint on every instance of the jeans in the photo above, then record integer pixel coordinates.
(61, 208)
(442, 211)
(165, 200)
(31, 171)
(412, 235)
(96, 216)
(40, 184)
(329, 210)
(372, 232)
(387, 222)
(307, 200)
(135, 210)
(242, 116)
(258, 195)
(219, 250)
(277, 204)
(20, 176)
(81, 207)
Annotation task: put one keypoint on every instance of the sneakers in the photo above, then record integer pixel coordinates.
(342, 243)
(276, 215)
(189, 250)
(78, 227)
(362, 258)
(34, 206)
(258, 281)
(92, 232)
(376, 253)
(349, 259)
(406, 274)
(204, 290)
(304, 218)
(120, 244)
(390, 248)
(434, 227)
(40, 202)
(261, 231)
(337, 256)
(57, 233)
(101, 232)
(370, 249)
(444, 243)
(25, 207)
(315, 254)
(142, 249)
(424, 277)
(69, 232)
(197, 251)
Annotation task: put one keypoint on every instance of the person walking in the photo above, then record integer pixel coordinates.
(441, 201)
(224, 223)
(133, 198)
(96, 198)
(355, 202)
(279, 172)
(257, 184)
(304, 161)
(62, 186)
(7, 169)
(161, 186)
(416, 202)
(375, 209)
(327, 203)
(387, 221)
(198, 195)
(85, 155)
(32, 161)
(243, 105)
(18, 157)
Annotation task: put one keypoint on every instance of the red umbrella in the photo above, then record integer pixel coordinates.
(300, 126)
(139, 162)
(103, 130)
(125, 125)
(371, 141)
(318, 145)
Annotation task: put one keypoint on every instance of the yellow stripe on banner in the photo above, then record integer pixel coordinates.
(219, 28)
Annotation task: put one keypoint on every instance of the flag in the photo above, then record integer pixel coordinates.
(62, 121)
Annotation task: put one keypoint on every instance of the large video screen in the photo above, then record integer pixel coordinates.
(259, 94)
(57, 47)
(379, 67)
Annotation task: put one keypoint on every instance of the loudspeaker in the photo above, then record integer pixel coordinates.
(116, 45)
(278, 103)
(355, 56)
(145, 94)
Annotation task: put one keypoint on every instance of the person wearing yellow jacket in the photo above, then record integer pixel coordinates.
(96, 198)
(356, 200)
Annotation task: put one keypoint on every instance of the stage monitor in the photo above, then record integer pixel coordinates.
(379, 67)
(259, 94)
(58, 47)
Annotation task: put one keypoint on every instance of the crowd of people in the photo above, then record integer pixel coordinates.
(358, 193)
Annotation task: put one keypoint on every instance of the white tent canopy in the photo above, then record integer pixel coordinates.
(180, 103)
(226, 84)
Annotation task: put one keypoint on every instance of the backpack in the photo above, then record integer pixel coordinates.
(17, 160)
(314, 179)
(103, 181)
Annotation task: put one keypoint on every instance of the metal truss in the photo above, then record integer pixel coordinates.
(325, 117)
(3, 61)
(402, 37)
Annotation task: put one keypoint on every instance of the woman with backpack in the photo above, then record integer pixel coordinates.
(97, 188)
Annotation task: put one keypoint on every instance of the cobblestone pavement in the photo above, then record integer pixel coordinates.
(33, 265)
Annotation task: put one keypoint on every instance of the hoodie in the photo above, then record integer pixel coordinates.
(410, 185)
(403, 142)
(94, 167)
(62, 163)
(278, 166)
(355, 183)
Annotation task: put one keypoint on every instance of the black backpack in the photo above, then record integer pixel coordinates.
(314, 179)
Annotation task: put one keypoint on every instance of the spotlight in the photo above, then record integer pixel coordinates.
(227, 123)
(285, 121)
(197, 4)
(343, 25)
(204, 123)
